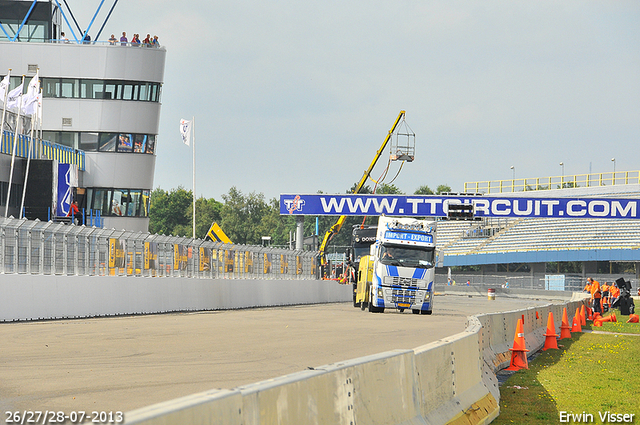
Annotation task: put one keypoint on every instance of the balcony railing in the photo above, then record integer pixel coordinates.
(41, 149)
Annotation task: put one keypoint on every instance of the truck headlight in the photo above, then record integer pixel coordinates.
(380, 293)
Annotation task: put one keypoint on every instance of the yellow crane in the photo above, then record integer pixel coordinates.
(336, 227)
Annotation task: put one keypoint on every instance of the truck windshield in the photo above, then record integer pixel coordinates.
(358, 252)
(407, 256)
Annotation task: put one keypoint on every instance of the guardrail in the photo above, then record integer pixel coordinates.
(449, 381)
(105, 43)
(48, 248)
(554, 182)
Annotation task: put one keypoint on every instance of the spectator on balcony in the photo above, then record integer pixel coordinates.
(113, 40)
(135, 41)
(63, 38)
(73, 211)
(123, 39)
(147, 41)
(155, 41)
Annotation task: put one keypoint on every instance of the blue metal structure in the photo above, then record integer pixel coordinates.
(79, 38)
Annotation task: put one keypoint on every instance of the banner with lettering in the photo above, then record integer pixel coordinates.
(438, 206)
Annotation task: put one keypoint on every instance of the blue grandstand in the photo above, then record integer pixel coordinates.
(531, 249)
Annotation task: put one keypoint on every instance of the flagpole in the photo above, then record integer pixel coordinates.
(193, 137)
(4, 108)
(39, 129)
(13, 154)
(4, 114)
(29, 147)
(26, 173)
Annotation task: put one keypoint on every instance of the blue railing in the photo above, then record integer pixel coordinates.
(91, 218)
(42, 149)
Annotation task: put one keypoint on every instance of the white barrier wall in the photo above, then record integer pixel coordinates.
(449, 381)
(34, 297)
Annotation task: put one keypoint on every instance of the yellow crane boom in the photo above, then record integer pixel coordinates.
(336, 227)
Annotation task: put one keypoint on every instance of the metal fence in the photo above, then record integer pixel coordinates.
(566, 282)
(48, 248)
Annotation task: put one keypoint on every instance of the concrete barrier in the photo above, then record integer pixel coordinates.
(449, 381)
(377, 389)
(223, 407)
(36, 297)
(449, 374)
(374, 389)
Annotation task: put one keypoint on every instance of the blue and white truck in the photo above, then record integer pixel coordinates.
(399, 270)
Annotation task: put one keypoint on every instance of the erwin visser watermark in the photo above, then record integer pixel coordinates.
(605, 417)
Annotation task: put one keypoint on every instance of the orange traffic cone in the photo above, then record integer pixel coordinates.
(519, 350)
(598, 322)
(564, 327)
(611, 318)
(575, 325)
(590, 313)
(550, 340)
(583, 316)
(633, 318)
(596, 316)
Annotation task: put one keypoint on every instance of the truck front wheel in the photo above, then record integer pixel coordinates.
(373, 308)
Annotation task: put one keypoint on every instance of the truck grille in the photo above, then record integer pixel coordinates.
(403, 296)
(401, 281)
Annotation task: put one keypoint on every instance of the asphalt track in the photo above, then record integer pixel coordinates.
(124, 363)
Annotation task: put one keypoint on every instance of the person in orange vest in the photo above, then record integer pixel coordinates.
(596, 295)
(587, 287)
(605, 288)
(614, 293)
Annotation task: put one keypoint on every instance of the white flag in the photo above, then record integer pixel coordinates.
(13, 99)
(29, 102)
(185, 131)
(4, 86)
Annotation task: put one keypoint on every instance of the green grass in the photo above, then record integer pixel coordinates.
(588, 373)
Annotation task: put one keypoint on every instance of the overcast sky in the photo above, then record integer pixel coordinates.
(296, 97)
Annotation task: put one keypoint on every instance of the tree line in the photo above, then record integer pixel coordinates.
(246, 218)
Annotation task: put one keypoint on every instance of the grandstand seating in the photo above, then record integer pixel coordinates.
(450, 231)
(543, 234)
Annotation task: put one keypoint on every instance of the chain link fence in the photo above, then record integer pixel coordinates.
(48, 248)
